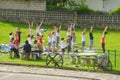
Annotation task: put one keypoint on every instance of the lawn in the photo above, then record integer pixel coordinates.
(112, 40)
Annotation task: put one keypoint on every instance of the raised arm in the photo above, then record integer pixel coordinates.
(106, 27)
(84, 30)
(28, 22)
(59, 27)
(91, 29)
(105, 31)
(41, 24)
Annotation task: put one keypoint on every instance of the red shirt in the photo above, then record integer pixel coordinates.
(103, 40)
(40, 40)
(16, 41)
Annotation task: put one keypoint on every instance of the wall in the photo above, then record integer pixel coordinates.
(111, 5)
(103, 5)
(95, 4)
(23, 4)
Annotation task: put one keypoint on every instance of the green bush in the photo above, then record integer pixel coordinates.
(83, 10)
(115, 11)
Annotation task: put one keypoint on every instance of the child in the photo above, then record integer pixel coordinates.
(91, 37)
(27, 50)
(63, 46)
(103, 38)
(38, 29)
(30, 28)
(30, 39)
(13, 48)
(16, 40)
(19, 34)
(49, 41)
(53, 41)
(73, 41)
(11, 36)
(68, 45)
(57, 36)
(83, 38)
(68, 32)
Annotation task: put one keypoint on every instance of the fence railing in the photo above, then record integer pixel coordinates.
(56, 17)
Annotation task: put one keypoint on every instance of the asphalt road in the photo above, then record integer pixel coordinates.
(23, 76)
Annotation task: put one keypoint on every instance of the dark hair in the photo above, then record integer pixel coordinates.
(35, 41)
(26, 42)
(10, 33)
(62, 38)
(105, 32)
(28, 35)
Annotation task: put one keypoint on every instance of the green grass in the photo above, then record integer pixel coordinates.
(112, 41)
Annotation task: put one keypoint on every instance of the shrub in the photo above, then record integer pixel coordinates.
(115, 11)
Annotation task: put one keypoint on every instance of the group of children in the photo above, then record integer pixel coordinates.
(54, 42)
(15, 39)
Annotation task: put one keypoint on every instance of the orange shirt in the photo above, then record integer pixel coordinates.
(103, 39)
(40, 40)
(16, 41)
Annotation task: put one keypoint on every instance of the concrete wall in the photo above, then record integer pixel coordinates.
(103, 5)
(23, 4)
(95, 4)
(111, 5)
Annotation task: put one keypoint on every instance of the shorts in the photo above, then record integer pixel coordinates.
(83, 43)
(53, 42)
(49, 43)
(91, 42)
(63, 50)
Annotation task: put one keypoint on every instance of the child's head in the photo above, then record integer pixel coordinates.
(62, 39)
(26, 42)
(35, 41)
(28, 35)
(11, 33)
(105, 32)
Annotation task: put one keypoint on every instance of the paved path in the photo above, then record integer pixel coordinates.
(81, 75)
(23, 76)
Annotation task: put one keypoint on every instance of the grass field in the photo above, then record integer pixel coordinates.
(112, 38)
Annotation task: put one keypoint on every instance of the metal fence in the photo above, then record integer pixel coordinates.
(59, 17)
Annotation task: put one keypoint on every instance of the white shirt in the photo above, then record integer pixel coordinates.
(30, 41)
(49, 39)
(38, 29)
(62, 44)
(11, 36)
(68, 33)
(53, 37)
(58, 34)
(83, 37)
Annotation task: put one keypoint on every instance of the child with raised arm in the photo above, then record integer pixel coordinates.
(68, 32)
(83, 38)
(58, 36)
(91, 37)
(73, 41)
(30, 39)
(30, 27)
(53, 41)
(38, 28)
(63, 46)
(49, 41)
(68, 46)
(103, 38)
